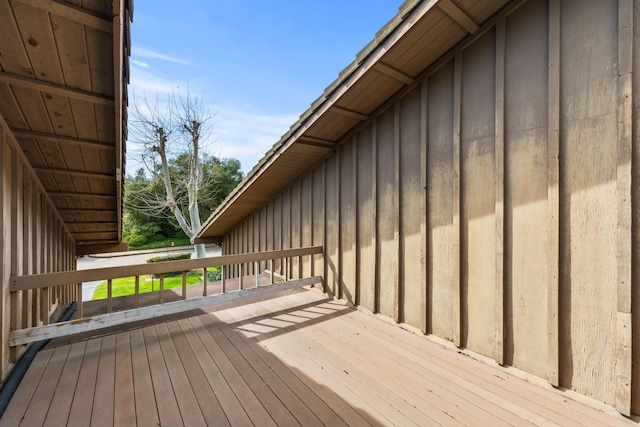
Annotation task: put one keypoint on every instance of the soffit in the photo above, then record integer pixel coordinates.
(412, 42)
(63, 91)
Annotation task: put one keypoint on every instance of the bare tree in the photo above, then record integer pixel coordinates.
(179, 128)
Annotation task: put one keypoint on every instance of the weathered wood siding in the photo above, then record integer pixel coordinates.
(494, 202)
(34, 240)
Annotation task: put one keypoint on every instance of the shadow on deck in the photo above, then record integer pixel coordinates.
(292, 358)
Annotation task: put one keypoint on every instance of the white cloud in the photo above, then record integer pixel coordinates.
(140, 63)
(247, 136)
(151, 54)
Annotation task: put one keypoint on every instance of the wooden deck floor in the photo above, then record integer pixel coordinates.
(298, 359)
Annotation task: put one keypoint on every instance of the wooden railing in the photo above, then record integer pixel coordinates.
(257, 263)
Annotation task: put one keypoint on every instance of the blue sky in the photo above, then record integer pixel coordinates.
(257, 64)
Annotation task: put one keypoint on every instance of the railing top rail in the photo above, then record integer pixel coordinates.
(78, 276)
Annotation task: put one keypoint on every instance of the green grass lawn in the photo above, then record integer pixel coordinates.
(126, 285)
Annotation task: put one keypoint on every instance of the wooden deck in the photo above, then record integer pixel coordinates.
(297, 359)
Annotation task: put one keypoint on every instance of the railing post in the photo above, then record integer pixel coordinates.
(241, 274)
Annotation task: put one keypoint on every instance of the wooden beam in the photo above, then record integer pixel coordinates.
(81, 174)
(393, 73)
(56, 89)
(81, 194)
(316, 142)
(85, 210)
(458, 15)
(208, 239)
(82, 250)
(349, 113)
(41, 136)
(25, 336)
(73, 13)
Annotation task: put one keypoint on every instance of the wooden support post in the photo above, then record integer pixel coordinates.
(356, 219)
(553, 194)
(498, 351)
(161, 292)
(455, 247)
(241, 278)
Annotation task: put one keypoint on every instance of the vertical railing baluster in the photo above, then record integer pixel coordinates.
(109, 295)
(137, 292)
(204, 282)
(44, 305)
(224, 278)
(271, 262)
(161, 288)
(257, 273)
(79, 299)
(241, 274)
(184, 285)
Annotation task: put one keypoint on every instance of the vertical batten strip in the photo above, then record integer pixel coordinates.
(4, 275)
(27, 298)
(623, 190)
(374, 202)
(325, 261)
(424, 214)
(356, 220)
(338, 191)
(455, 246)
(499, 192)
(553, 194)
(398, 261)
(15, 307)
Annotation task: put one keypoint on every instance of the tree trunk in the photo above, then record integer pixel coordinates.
(201, 252)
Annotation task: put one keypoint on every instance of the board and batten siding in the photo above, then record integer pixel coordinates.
(495, 202)
(34, 240)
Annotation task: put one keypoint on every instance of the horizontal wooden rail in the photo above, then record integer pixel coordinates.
(66, 277)
(25, 336)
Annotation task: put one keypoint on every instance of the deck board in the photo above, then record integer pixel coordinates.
(299, 358)
(144, 396)
(125, 405)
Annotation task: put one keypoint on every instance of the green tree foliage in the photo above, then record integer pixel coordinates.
(144, 224)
